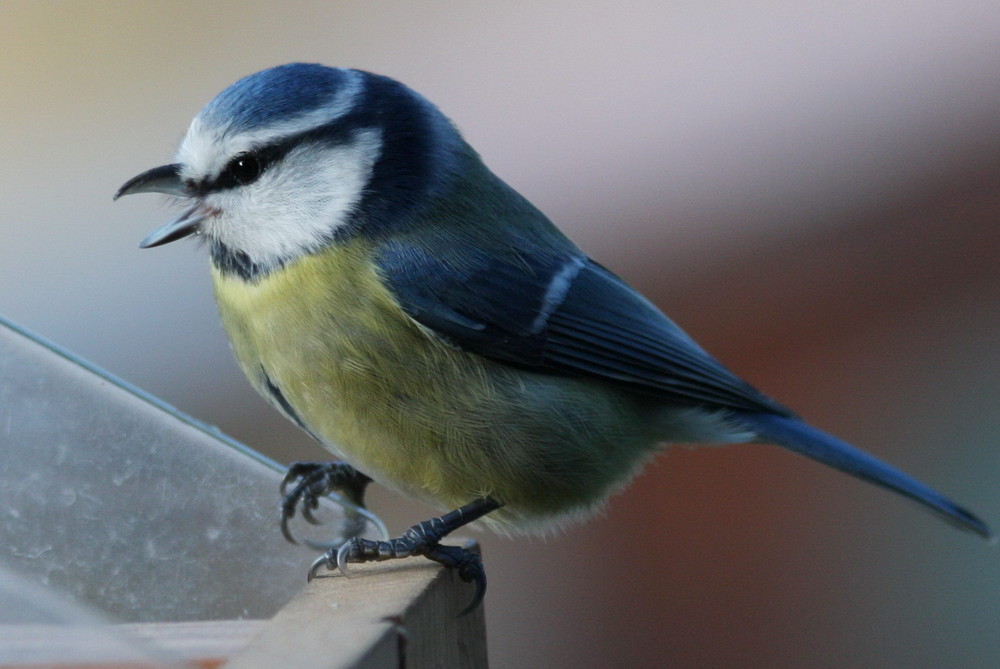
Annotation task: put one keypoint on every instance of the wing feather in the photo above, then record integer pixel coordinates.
(599, 328)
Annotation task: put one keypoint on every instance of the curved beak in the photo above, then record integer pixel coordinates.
(166, 179)
(163, 179)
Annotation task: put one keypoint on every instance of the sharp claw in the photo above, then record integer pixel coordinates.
(342, 553)
(285, 530)
(480, 581)
(307, 511)
(306, 482)
(299, 494)
(295, 472)
(322, 561)
(374, 522)
(469, 567)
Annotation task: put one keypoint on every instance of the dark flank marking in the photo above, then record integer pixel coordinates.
(279, 397)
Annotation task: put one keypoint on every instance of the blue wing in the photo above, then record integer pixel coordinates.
(560, 312)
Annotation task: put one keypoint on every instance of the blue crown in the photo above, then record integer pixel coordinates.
(273, 95)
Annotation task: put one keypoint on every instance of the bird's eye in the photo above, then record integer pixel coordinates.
(243, 169)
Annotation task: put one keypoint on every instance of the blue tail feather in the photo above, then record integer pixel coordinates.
(797, 436)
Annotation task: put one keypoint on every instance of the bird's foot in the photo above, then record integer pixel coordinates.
(309, 481)
(421, 539)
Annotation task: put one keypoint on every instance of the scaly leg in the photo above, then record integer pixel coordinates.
(421, 539)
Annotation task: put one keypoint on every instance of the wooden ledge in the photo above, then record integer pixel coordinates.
(401, 613)
(391, 614)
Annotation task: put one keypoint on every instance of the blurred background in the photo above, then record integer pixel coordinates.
(811, 189)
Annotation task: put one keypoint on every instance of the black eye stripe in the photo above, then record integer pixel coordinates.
(234, 176)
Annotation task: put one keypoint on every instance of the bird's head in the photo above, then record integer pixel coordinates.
(285, 160)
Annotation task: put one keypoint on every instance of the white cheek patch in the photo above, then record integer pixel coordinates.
(207, 148)
(297, 202)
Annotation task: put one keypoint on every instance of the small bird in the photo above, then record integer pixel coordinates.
(391, 296)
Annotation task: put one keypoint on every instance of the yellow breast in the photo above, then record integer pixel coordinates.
(412, 412)
(363, 377)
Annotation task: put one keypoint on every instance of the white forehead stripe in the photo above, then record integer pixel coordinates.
(293, 208)
(207, 148)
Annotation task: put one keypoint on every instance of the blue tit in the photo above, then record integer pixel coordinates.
(391, 296)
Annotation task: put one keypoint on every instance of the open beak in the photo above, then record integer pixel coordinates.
(166, 179)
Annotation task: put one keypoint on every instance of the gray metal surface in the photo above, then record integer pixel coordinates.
(118, 501)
